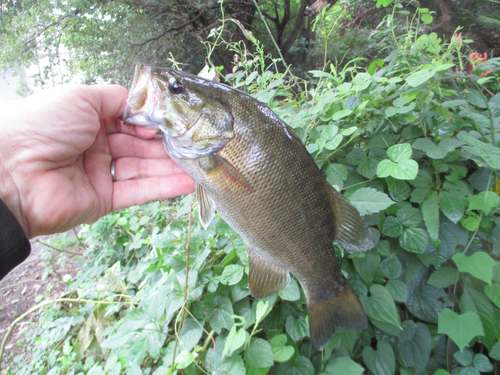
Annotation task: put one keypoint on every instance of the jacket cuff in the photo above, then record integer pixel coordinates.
(14, 245)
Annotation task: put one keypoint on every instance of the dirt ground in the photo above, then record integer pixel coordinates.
(22, 285)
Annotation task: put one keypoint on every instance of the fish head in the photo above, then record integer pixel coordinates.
(190, 111)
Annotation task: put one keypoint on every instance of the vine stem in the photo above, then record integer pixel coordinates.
(183, 315)
(40, 305)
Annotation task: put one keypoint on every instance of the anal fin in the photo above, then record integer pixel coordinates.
(206, 206)
(351, 231)
(337, 310)
(265, 279)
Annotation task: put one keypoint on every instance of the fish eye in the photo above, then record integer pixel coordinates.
(174, 86)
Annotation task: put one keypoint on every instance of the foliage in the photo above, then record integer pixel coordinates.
(413, 141)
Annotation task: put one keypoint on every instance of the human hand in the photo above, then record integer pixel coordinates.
(55, 157)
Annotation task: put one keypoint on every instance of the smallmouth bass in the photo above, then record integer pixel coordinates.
(250, 166)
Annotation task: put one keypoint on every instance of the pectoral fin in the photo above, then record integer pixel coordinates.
(351, 231)
(206, 206)
(265, 278)
(216, 163)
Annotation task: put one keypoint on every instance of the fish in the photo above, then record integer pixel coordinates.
(250, 167)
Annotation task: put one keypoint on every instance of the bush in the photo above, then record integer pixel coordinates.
(412, 141)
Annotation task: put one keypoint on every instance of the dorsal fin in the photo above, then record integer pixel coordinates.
(351, 231)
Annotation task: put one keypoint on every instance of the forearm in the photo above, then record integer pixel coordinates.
(14, 245)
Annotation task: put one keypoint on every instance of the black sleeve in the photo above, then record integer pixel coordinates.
(14, 246)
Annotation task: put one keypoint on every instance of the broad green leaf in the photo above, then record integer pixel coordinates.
(368, 168)
(344, 366)
(259, 354)
(291, 291)
(262, 310)
(423, 144)
(452, 206)
(480, 265)
(495, 352)
(235, 340)
(465, 357)
(329, 132)
(367, 267)
(191, 333)
(484, 201)
(334, 143)
(392, 227)
(430, 212)
(404, 170)
(399, 152)
(370, 201)
(382, 361)
(281, 351)
(493, 293)
(399, 190)
(232, 274)
(301, 366)
(417, 78)
(443, 277)
(380, 305)
(427, 18)
(391, 267)
(296, 328)
(414, 240)
(398, 290)
(424, 300)
(482, 363)
(416, 351)
(474, 301)
(391, 111)
(355, 157)
(222, 315)
(409, 216)
(401, 101)
(460, 328)
(341, 114)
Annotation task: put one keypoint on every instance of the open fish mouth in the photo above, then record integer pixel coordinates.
(143, 99)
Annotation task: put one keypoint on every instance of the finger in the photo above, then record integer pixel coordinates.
(107, 100)
(135, 192)
(114, 125)
(123, 145)
(135, 168)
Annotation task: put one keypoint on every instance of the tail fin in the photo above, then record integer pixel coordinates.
(339, 310)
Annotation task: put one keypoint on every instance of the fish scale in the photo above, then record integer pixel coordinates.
(250, 167)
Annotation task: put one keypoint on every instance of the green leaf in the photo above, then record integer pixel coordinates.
(443, 277)
(291, 292)
(232, 274)
(409, 216)
(416, 351)
(398, 290)
(341, 114)
(296, 328)
(392, 227)
(368, 168)
(380, 305)
(281, 351)
(221, 316)
(414, 240)
(399, 152)
(235, 340)
(382, 361)
(482, 363)
(495, 352)
(430, 211)
(370, 201)
(460, 328)
(493, 293)
(355, 157)
(464, 358)
(484, 201)
(334, 143)
(329, 132)
(261, 310)
(391, 267)
(480, 265)
(474, 301)
(427, 18)
(423, 144)
(405, 170)
(417, 78)
(259, 354)
(344, 366)
(301, 366)
(367, 267)
(452, 206)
